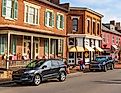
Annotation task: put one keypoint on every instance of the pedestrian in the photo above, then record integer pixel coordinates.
(81, 63)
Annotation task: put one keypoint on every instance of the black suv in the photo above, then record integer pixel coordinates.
(40, 70)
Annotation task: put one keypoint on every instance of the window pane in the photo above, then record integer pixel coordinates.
(75, 24)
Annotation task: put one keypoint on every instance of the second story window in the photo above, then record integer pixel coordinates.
(113, 40)
(117, 40)
(60, 21)
(75, 24)
(10, 9)
(98, 28)
(104, 39)
(31, 15)
(88, 26)
(94, 28)
(108, 38)
(49, 18)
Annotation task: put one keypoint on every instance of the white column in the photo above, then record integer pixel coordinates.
(49, 47)
(7, 65)
(32, 47)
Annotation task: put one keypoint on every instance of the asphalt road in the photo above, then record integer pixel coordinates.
(92, 82)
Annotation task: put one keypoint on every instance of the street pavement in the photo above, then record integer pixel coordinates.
(91, 82)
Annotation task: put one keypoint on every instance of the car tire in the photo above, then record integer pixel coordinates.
(62, 77)
(37, 80)
(105, 68)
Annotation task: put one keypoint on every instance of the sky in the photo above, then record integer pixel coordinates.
(111, 9)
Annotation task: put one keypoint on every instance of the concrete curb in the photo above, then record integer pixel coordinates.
(74, 74)
(6, 82)
(71, 75)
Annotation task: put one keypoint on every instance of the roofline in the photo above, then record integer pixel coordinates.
(31, 30)
(109, 31)
(86, 9)
(52, 4)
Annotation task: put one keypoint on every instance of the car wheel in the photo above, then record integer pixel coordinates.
(62, 76)
(105, 68)
(37, 80)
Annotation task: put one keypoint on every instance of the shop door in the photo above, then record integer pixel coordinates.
(36, 49)
(71, 60)
(27, 48)
(79, 57)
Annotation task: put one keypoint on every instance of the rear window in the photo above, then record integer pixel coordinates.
(100, 59)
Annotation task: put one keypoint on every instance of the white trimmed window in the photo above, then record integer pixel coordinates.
(49, 18)
(10, 9)
(31, 14)
(113, 40)
(60, 21)
(117, 40)
(3, 44)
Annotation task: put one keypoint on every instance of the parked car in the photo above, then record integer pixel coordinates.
(40, 70)
(102, 63)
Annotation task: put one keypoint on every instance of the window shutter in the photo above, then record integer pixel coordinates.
(3, 7)
(15, 8)
(52, 19)
(45, 18)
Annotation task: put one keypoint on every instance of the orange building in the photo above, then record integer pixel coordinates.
(33, 27)
(84, 31)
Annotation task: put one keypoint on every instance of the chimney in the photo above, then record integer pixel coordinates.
(112, 22)
(118, 26)
(57, 2)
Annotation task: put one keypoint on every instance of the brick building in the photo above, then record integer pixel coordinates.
(84, 31)
(111, 39)
(33, 27)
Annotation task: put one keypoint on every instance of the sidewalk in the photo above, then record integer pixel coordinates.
(117, 66)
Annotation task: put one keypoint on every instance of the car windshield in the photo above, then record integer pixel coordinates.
(35, 64)
(100, 59)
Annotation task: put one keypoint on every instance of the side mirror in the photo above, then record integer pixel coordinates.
(44, 67)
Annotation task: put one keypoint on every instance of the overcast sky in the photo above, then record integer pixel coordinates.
(111, 9)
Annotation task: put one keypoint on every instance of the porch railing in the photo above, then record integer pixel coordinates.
(14, 63)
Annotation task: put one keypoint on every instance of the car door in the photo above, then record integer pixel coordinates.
(55, 67)
(46, 69)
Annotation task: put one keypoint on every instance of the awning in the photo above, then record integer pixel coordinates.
(115, 47)
(99, 49)
(88, 48)
(72, 49)
(76, 49)
(79, 49)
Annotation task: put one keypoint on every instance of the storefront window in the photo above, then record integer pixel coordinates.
(71, 41)
(79, 55)
(71, 55)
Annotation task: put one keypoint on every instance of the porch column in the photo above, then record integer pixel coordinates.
(63, 48)
(8, 51)
(31, 47)
(49, 47)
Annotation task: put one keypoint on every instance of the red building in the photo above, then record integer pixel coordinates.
(111, 39)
